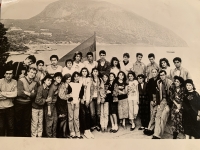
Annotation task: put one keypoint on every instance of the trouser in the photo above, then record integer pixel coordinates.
(37, 122)
(51, 121)
(104, 115)
(84, 117)
(23, 119)
(153, 110)
(95, 110)
(73, 116)
(161, 118)
(132, 109)
(7, 121)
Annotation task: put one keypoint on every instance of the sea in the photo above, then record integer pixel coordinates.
(190, 55)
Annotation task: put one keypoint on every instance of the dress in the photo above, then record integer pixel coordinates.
(176, 117)
(191, 106)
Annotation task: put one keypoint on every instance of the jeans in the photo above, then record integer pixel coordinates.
(73, 116)
(51, 121)
(161, 118)
(7, 121)
(95, 110)
(84, 117)
(23, 119)
(104, 115)
(37, 122)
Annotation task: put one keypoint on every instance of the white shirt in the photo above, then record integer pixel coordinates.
(114, 70)
(77, 66)
(126, 68)
(67, 70)
(89, 65)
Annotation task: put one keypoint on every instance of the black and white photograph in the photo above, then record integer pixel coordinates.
(100, 69)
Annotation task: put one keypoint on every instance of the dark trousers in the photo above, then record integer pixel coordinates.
(23, 114)
(84, 117)
(7, 121)
(95, 110)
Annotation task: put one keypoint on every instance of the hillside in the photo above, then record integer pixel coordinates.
(76, 20)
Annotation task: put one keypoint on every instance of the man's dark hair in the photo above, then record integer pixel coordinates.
(48, 76)
(39, 61)
(77, 53)
(139, 54)
(126, 55)
(8, 68)
(161, 71)
(102, 52)
(68, 60)
(54, 56)
(90, 53)
(141, 76)
(57, 74)
(151, 55)
(32, 58)
(177, 59)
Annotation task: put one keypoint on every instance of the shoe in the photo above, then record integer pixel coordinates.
(92, 129)
(79, 137)
(155, 137)
(111, 130)
(150, 132)
(146, 131)
(132, 129)
(115, 131)
(87, 135)
(98, 128)
(73, 137)
(141, 128)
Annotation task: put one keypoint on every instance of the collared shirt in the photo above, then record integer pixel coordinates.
(149, 69)
(126, 67)
(89, 65)
(53, 69)
(182, 72)
(139, 68)
(67, 70)
(77, 66)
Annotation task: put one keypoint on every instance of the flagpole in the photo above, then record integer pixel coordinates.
(95, 45)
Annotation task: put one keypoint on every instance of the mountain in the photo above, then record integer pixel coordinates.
(76, 20)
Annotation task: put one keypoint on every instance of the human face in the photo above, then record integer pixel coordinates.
(78, 58)
(189, 87)
(177, 83)
(31, 73)
(58, 79)
(54, 61)
(102, 56)
(140, 80)
(28, 62)
(40, 66)
(95, 73)
(112, 77)
(69, 64)
(105, 78)
(90, 58)
(8, 75)
(68, 80)
(130, 77)
(84, 72)
(139, 58)
(163, 64)
(76, 78)
(125, 58)
(48, 81)
(115, 62)
(154, 73)
(152, 59)
(162, 76)
(121, 76)
(177, 64)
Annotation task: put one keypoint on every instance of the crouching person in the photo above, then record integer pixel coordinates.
(37, 107)
(8, 88)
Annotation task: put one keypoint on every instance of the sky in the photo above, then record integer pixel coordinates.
(181, 16)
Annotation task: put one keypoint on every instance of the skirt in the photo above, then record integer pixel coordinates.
(113, 108)
(123, 108)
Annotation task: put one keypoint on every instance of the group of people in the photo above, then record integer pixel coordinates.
(63, 102)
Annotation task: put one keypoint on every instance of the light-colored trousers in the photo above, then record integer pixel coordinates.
(73, 116)
(153, 110)
(37, 122)
(104, 115)
(161, 118)
(132, 108)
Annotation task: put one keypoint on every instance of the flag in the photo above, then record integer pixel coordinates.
(88, 45)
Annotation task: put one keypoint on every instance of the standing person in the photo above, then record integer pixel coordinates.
(152, 93)
(40, 72)
(103, 65)
(151, 65)
(105, 106)
(191, 111)
(50, 108)
(8, 91)
(90, 63)
(126, 65)
(115, 65)
(120, 91)
(77, 64)
(133, 98)
(64, 97)
(176, 97)
(179, 71)
(74, 105)
(37, 107)
(144, 103)
(68, 67)
(163, 109)
(96, 90)
(113, 105)
(84, 114)
(19, 66)
(139, 67)
(164, 65)
(26, 93)
(54, 67)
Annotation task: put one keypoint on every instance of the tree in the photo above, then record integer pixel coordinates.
(4, 48)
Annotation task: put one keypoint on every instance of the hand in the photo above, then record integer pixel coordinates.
(198, 118)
